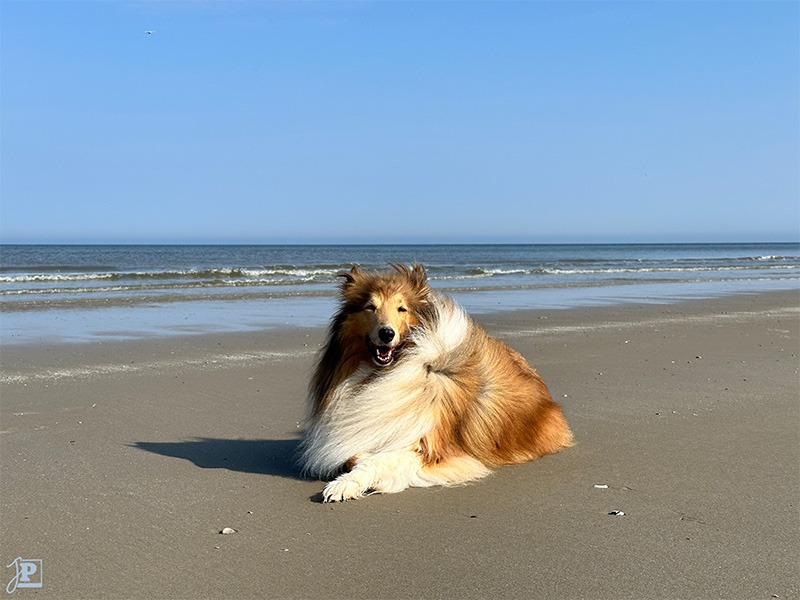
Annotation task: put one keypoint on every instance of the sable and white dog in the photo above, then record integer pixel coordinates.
(410, 391)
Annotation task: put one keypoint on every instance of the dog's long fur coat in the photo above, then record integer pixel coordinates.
(451, 403)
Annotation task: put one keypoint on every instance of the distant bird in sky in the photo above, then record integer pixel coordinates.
(149, 32)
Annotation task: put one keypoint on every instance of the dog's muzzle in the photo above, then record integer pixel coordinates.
(385, 349)
(382, 356)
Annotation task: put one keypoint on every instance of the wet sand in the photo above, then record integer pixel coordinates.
(122, 461)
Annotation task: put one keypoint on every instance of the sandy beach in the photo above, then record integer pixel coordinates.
(123, 461)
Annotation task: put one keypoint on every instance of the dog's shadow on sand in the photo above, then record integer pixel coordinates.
(263, 457)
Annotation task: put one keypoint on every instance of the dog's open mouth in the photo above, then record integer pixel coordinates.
(383, 356)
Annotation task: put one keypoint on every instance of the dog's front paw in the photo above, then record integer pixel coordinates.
(340, 490)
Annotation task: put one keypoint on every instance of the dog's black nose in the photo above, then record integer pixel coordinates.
(386, 334)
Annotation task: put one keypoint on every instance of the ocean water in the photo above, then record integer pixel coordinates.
(84, 293)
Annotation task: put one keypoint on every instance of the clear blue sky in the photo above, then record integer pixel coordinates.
(262, 122)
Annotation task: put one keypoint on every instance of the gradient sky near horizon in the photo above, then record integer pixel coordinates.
(399, 122)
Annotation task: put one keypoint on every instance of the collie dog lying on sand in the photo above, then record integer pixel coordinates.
(410, 391)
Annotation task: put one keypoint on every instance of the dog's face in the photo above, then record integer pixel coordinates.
(382, 309)
(387, 322)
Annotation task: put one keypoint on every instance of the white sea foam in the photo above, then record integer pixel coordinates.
(48, 279)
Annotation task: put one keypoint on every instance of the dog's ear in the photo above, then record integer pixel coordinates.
(351, 276)
(419, 278)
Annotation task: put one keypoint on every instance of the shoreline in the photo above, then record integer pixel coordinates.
(112, 321)
(121, 462)
(206, 349)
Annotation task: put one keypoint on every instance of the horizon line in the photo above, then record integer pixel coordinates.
(485, 243)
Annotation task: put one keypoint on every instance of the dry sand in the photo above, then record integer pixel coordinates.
(121, 462)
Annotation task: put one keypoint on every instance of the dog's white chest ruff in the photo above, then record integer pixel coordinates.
(379, 410)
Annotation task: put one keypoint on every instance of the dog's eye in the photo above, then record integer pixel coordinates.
(371, 307)
(402, 309)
